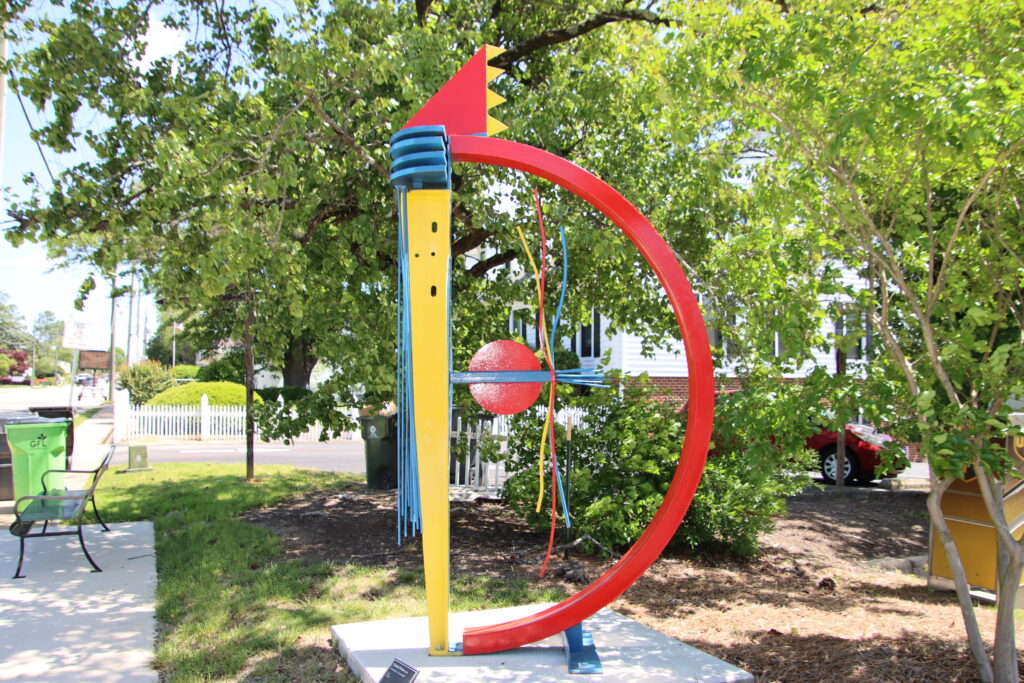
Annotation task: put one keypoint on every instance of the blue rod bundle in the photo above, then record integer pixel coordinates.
(554, 331)
(573, 376)
(409, 513)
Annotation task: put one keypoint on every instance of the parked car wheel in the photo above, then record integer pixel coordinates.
(828, 459)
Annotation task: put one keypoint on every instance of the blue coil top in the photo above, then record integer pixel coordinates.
(420, 159)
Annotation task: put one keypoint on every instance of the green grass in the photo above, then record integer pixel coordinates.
(85, 415)
(230, 607)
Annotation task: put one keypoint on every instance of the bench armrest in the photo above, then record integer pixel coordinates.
(31, 498)
(42, 478)
(71, 471)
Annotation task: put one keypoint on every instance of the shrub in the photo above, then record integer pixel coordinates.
(229, 368)
(623, 462)
(565, 359)
(184, 371)
(144, 380)
(19, 361)
(758, 460)
(290, 393)
(219, 393)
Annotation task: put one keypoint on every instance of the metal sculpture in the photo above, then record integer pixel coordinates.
(454, 127)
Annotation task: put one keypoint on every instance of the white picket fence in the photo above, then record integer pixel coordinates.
(469, 470)
(576, 416)
(200, 423)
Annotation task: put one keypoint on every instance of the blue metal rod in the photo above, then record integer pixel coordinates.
(561, 497)
(561, 297)
(522, 376)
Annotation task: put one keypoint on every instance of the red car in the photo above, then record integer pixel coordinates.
(863, 442)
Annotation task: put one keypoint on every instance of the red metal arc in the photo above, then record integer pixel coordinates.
(656, 252)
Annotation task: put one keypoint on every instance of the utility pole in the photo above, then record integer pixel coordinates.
(841, 432)
(113, 346)
(131, 304)
(141, 331)
(250, 427)
(3, 95)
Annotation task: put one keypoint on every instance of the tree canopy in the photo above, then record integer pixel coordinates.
(862, 156)
(890, 145)
(249, 171)
(13, 334)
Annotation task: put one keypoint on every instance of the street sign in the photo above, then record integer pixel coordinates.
(79, 335)
(94, 360)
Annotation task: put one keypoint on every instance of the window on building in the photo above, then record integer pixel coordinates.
(587, 341)
(717, 337)
(590, 338)
(518, 327)
(856, 324)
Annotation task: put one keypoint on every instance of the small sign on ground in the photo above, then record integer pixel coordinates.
(399, 672)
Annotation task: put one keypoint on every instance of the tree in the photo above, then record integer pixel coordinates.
(891, 140)
(144, 380)
(19, 361)
(13, 334)
(46, 343)
(243, 169)
(159, 346)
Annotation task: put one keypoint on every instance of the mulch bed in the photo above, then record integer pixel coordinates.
(810, 608)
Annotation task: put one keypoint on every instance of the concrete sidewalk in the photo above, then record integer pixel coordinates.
(93, 439)
(63, 622)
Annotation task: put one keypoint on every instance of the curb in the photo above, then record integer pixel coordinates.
(908, 484)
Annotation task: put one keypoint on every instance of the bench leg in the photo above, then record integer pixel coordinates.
(21, 558)
(97, 513)
(95, 567)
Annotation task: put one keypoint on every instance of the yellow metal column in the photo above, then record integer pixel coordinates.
(429, 222)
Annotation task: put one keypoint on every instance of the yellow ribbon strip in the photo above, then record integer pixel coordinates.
(547, 357)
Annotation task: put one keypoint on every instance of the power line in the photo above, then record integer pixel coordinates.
(35, 137)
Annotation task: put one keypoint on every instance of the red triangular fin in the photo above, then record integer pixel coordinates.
(461, 104)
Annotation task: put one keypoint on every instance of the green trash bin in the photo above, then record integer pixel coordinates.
(37, 446)
(381, 450)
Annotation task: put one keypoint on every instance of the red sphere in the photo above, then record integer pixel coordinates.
(505, 398)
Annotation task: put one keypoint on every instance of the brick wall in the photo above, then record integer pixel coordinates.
(676, 390)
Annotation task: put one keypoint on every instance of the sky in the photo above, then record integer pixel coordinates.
(33, 282)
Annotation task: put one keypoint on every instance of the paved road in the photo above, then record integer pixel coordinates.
(15, 397)
(331, 456)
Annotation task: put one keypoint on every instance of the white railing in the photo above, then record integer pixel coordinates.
(200, 423)
(467, 467)
(500, 423)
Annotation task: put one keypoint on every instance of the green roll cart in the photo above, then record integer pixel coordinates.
(37, 445)
(381, 451)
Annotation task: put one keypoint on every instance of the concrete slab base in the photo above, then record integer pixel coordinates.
(62, 622)
(630, 653)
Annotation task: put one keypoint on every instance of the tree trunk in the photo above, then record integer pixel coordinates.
(299, 362)
(841, 457)
(1009, 563)
(963, 589)
(1005, 651)
(250, 376)
(841, 433)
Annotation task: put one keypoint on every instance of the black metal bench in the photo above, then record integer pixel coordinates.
(58, 505)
